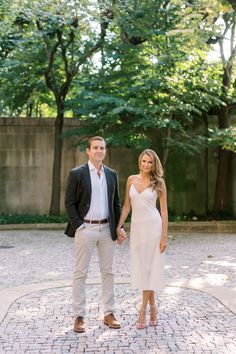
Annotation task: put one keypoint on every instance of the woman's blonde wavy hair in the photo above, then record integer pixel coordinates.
(157, 172)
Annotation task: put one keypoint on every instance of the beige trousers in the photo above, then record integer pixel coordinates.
(86, 240)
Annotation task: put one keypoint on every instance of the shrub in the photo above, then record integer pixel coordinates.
(31, 219)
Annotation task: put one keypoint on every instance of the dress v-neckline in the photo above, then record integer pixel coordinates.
(138, 191)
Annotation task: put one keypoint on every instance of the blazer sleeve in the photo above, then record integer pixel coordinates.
(116, 201)
(71, 203)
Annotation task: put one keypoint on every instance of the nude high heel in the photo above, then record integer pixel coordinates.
(141, 323)
(153, 310)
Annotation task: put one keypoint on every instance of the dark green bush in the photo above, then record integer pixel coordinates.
(192, 216)
(47, 219)
(31, 219)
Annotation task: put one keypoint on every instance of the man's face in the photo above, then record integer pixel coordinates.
(97, 151)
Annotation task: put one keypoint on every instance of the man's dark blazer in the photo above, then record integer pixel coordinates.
(78, 198)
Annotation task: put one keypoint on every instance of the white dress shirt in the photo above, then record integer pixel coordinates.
(99, 203)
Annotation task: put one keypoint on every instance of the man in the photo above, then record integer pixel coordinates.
(93, 206)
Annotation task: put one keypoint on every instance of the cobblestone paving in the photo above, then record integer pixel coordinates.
(189, 321)
(42, 255)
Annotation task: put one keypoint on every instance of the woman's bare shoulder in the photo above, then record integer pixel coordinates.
(131, 179)
(162, 184)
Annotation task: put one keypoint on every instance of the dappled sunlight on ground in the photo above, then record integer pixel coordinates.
(189, 321)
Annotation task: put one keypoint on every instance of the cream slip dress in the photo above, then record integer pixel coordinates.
(146, 260)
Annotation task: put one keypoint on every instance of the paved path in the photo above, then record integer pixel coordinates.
(196, 310)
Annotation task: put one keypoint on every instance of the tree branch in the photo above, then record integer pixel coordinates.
(103, 25)
(233, 3)
(49, 72)
(231, 106)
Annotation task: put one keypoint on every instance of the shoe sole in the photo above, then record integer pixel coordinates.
(140, 326)
(153, 323)
(80, 331)
(113, 327)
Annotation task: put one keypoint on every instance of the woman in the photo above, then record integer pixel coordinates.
(148, 231)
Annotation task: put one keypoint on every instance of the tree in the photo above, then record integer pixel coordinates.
(224, 134)
(21, 68)
(150, 81)
(159, 82)
(147, 84)
(67, 31)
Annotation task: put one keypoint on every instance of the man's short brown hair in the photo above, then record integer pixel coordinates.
(94, 138)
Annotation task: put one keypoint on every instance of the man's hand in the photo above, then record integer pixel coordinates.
(121, 235)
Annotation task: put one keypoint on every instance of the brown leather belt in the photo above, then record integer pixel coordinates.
(103, 221)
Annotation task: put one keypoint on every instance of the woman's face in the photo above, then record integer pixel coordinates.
(146, 164)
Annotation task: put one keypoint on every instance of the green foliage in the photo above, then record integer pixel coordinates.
(142, 81)
(45, 43)
(21, 70)
(22, 83)
(226, 138)
(156, 86)
(8, 35)
(193, 216)
(8, 219)
(138, 97)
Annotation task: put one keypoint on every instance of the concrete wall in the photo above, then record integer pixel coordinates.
(26, 158)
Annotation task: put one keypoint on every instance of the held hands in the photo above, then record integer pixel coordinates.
(163, 245)
(121, 235)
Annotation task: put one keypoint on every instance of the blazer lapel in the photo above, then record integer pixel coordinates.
(87, 178)
(107, 174)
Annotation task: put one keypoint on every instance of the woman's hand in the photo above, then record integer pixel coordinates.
(163, 245)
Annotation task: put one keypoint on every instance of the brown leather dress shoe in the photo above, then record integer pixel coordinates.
(111, 321)
(79, 325)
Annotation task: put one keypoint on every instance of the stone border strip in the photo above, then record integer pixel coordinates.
(182, 226)
(225, 296)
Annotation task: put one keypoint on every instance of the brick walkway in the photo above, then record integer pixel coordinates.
(35, 280)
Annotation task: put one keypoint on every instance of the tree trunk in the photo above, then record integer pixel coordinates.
(158, 139)
(221, 201)
(56, 174)
(222, 188)
(206, 170)
(165, 153)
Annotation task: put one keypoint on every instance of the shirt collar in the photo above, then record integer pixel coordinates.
(92, 167)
